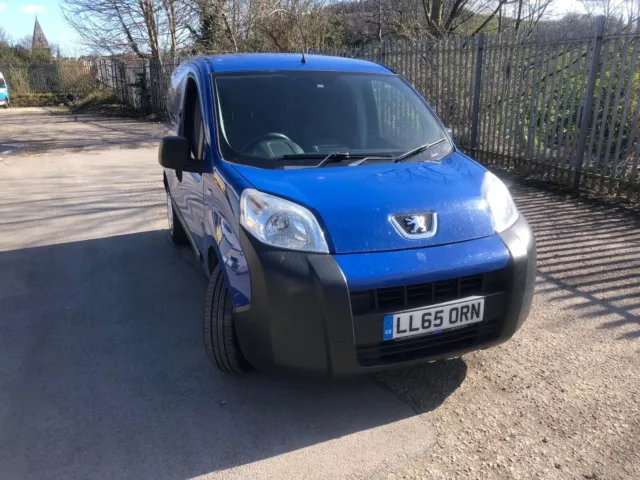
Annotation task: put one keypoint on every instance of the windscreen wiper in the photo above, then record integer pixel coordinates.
(416, 151)
(333, 157)
(372, 157)
(338, 157)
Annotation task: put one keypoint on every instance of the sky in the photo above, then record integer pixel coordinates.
(17, 18)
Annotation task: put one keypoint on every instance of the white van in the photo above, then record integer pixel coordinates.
(4, 92)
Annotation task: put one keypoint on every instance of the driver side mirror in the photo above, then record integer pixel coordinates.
(174, 154)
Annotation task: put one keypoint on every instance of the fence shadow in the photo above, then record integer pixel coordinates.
(73, 132)
(588, 257)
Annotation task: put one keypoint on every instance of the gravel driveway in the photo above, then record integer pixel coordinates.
(103, 375)
(562, 398)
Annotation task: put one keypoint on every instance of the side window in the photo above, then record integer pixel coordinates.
(193, 129)
(175, 98)
(399, 121)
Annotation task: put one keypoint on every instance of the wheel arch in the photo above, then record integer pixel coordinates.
(214, 258)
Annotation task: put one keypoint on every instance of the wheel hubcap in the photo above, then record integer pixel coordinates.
(169, 212)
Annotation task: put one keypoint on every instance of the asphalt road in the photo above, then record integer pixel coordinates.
(103, 373)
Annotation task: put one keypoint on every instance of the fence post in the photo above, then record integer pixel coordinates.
(588, 107)
(381, 52)
(145, 87)
(476, 93)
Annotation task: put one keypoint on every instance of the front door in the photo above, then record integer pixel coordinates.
(191, 189)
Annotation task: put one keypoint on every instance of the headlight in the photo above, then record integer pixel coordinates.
(498, 198)
(281, 223)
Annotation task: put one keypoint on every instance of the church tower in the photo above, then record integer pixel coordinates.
(39, 41)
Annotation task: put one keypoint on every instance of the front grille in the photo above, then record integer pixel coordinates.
(429, 345)
(396, 299)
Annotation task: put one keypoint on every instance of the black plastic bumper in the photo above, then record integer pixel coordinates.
(300, 317)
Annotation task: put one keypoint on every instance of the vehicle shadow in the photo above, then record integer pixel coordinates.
(425, 387)
(103, 372)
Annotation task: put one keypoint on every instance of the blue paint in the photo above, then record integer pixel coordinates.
(387, 328)
(407, 267)
(286, 61)
(374, 192)
(352, 205)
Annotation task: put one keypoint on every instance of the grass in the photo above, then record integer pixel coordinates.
(37, 99)
(104, 102)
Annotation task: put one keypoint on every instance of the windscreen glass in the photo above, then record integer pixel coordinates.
(275, 115)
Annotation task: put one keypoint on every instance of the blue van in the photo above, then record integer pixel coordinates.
(4, 92)
(341, 229)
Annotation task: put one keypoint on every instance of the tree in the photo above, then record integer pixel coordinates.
(148, 28)
(4, 38)
(608, 8)
(225, 25)
(254, 25)
(291, 25)
(414, 19)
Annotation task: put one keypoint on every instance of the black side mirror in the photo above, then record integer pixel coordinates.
(174, 154)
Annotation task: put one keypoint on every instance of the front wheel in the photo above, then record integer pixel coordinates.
(219, 332)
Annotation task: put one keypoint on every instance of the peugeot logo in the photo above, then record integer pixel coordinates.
(415, 225)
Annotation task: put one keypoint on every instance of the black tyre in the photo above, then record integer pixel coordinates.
(6, 104)
(176, 230)
(219, 332)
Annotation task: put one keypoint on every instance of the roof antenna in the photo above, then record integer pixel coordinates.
(304, 59)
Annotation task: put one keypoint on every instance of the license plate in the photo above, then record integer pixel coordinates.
(433, 319)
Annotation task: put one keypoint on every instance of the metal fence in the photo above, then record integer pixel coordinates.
(60, 76)
(556, 105)
(141, 84)
(562, 106)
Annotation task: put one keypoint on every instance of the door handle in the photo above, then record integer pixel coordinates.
(210, 191)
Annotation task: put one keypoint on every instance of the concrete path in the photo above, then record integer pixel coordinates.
(103, 373)
(30, 130)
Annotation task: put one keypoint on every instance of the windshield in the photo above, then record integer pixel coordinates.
(2, 84)
(300, 116)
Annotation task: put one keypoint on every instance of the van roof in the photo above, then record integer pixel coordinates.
(289, 61)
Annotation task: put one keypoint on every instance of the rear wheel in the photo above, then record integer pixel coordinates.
(178, 234)
(219, 332)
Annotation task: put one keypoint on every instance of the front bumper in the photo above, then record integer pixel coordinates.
(323, 314)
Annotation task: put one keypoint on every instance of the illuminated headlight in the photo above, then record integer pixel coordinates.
(498, 198)
(281, 223)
